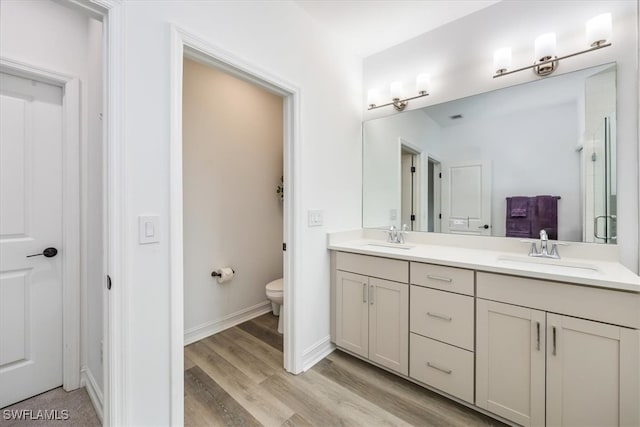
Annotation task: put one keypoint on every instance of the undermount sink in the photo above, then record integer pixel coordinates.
(547, 265)
(390, 245)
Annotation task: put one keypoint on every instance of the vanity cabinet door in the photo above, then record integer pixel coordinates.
(592, 373)
(510, 362)
(389, 324)
(352, 312)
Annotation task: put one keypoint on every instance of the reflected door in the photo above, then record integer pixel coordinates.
(30, 221)
(466, 198)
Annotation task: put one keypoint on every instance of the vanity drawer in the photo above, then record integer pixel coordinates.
(446, 278)
(442, 366)
(443, 316)
(383, 268)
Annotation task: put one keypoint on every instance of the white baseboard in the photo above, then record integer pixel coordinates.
(199, 332)
(95, 393)
(317, 352)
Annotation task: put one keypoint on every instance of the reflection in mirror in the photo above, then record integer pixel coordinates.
(510, 162)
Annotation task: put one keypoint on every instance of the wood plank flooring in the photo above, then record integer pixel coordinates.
(235, 378)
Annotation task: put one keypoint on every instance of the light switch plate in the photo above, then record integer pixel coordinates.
(148, 229)
(315, 218)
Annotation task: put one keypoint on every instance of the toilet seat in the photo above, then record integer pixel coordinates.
(275, 288)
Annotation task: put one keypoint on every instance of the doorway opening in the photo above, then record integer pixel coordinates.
(232, 170)
(191, 48)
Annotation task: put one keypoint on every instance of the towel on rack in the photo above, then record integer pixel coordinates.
(519, 207)
(519, 228)
(522, 223)
(547, 218)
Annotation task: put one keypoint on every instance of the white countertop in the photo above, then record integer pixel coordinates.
(589, 272)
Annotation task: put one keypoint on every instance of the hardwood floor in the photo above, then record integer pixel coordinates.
(235, 378)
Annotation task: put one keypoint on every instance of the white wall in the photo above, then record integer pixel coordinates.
(549, 150)
(381, 162)
(284, 41)
(46, 34)
(459, 57)
(232, 163)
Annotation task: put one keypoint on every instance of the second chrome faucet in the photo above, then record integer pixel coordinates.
(544, 248)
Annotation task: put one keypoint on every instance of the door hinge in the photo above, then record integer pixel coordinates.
(413, 217)
(413, 169)
(108, 282)
(284, 246)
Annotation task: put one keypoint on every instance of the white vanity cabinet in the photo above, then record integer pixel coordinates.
(534, 352)
(371, 313)
(591, 375)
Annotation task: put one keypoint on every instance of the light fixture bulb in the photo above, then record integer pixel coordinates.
(502, 60)
(396, 90)
(599, 29)
(545, 46)
(373, 97)
(423, 84)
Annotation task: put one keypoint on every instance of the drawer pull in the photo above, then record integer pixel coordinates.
(364, 293)
(553, 330)
(440, 278)
(538, 336)
(446, 371)
(440, 316)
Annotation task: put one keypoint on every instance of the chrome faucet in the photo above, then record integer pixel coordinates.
(392, 237)
(544, 248)
(397, 236)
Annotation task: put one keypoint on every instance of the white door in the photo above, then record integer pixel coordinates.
(389, 324)
(510, 358)
(592, 373)
(30, 221)
(466, 198)
(352, 312)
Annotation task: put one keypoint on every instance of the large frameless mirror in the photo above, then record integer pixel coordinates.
(510, 162)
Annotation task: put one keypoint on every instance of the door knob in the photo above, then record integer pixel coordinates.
(486, 226)
(49, 253)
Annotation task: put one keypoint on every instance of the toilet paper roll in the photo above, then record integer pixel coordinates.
(226, 274)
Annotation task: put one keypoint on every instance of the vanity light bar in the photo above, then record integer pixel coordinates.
(398, 104)
(598, 32)
(554, 60)
(422, 85)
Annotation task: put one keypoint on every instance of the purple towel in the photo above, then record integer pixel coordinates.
(548, 215)
(519, 207)
(519, 227)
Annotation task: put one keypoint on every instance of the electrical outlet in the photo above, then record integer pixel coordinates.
(315, 218)
(393, 214)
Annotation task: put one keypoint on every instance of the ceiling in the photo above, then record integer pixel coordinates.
(370, 26)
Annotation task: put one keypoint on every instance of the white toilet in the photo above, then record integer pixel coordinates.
(276, 294)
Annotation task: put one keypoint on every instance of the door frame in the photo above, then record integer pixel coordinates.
(116, 301)
(421, 182)
(70, 210)
(189, 45)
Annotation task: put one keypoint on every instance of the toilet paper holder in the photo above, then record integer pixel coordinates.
(216, 274)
